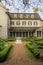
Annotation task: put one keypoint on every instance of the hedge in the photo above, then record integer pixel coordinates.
(35, 51)
(8, 39)
(4, 52)
(40, 42)
(31, 39)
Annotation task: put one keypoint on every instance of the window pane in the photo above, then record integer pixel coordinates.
(38, 33)
(18, 23)
(35, 23)
(12, 23)
(29, 23)
(24, 23)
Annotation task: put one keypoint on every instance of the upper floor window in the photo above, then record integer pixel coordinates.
(35, 23)
(24, 15)
(15, 15)
(18, 23)
(29, 23)
(32, 16)
(24, 23)
(27, 16)
(21, 15)
(11, 23)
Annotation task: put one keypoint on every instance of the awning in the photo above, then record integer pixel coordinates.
(23, 28)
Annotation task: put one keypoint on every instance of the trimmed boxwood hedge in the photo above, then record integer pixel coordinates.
(35, 51)
(4, 52)
(8, 39)
(31, 39)
(40, 42)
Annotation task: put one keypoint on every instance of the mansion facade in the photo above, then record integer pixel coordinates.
(20, 24)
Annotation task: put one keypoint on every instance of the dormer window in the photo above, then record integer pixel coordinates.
(15, 15)
(32, 16)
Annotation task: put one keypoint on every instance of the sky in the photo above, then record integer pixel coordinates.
(17, 6)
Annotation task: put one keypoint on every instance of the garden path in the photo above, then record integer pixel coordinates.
(20, 57)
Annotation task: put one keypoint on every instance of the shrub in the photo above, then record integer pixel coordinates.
(31, 39)
(2, 44)
(11, 39)
(34, 50)
(4, 52)
(8, 39)
(40, 42)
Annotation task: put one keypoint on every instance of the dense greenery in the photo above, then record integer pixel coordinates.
(8, 39)
(2, 45)
(31, 39)
(4, 50)
(34, 49)
(36, 40)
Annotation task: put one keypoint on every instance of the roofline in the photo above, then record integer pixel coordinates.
(24, 13)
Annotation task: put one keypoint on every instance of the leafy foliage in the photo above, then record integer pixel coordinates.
(4, 52)
(34, 50)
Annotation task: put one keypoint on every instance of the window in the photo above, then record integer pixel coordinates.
(18, 23)
(15, 15)
(32, 16)
(29, 23)
(12, 23)
(21, 15)
(38, 33)
(31, 34)
(24, 23)
(24, 15)
(10, 33)
(27, 16)
(35, 23)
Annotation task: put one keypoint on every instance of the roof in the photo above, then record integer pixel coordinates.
(34, 16)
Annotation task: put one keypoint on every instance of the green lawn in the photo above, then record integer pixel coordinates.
(29, 54)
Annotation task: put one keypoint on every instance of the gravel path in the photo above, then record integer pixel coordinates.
(20, 57)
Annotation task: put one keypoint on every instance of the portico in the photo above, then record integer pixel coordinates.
(25, 32)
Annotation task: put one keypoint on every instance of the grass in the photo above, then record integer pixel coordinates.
(10, 54)
(29, 54)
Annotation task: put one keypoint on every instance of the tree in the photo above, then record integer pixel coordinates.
(37, 5)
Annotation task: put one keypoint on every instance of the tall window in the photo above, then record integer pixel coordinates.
(38, 33)
(24, 23)
(29, 23)
(18, 23)
(11, 23)
(10, 33)
(35, 23)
